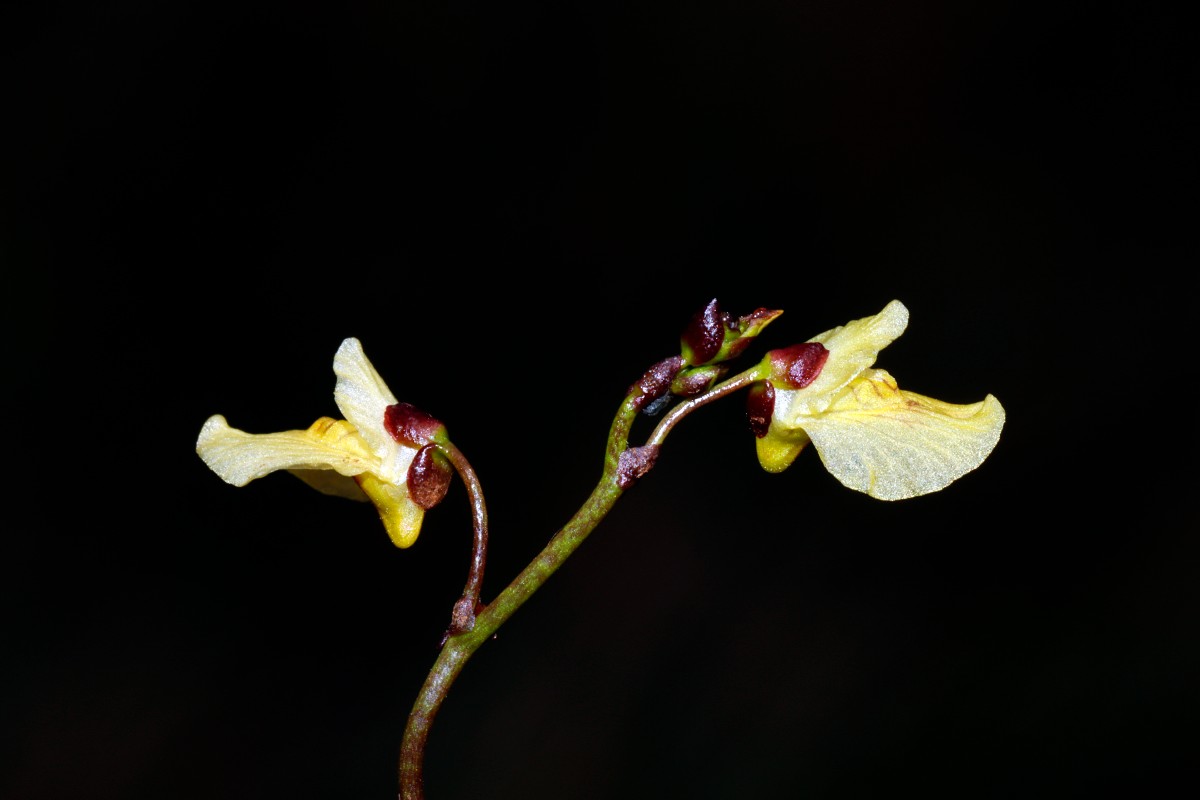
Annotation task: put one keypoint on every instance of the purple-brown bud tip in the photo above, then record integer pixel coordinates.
(411, 426)
(760, 405)
(705, 333)
(429, 477)
(799, 365)
(747, 328)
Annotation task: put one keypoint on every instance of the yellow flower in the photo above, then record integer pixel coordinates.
(870, 434)
(358, 457)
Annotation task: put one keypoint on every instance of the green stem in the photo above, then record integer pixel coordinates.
(619, 473)
(459, 647)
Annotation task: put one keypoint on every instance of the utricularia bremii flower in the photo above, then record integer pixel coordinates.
(870, 434)
(384, 451)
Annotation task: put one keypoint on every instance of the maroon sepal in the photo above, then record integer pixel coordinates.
(760, 405)
(411, 426)
(429, 477)
(799, 365)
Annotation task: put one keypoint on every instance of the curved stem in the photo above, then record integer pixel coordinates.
(680, 411)
(460, 646)
(463, 616)
(622, 467)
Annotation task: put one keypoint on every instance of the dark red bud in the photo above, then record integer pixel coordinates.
(799, 365)
(429, 477)
(705, 332)
(409, 425)
(760, 405)
(656, 381)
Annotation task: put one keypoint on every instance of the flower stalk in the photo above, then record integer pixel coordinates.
(458, 647)
(462, 618)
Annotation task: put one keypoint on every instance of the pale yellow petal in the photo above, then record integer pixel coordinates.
(362, 395)
(239, 457)
(893, 444)
(853, 347)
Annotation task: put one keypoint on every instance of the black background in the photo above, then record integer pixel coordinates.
(516, 207)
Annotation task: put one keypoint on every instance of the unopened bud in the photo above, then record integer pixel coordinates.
(746, 328)
(713, 335)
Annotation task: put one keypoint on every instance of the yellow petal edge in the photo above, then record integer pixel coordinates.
(894, 444)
